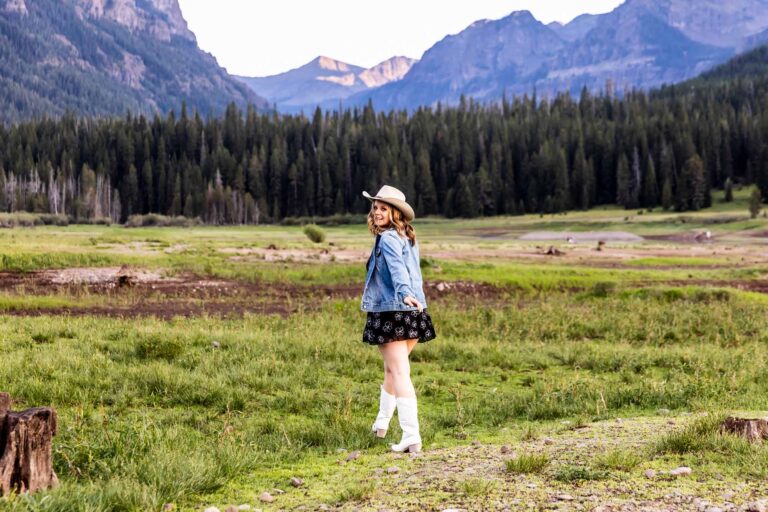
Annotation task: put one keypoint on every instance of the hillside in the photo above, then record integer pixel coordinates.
(752, 64)
(640, 44)
(99, 59)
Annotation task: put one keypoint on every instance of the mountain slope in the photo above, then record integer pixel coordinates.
(640, 44)
(632, 47)
(752, 64)
(98, 57)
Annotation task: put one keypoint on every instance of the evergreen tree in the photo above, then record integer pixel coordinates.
(3, 200)
(176, 203)
(147, 190)
(129, 193)
(425, 186)
(667, 199)
(694, 173)
(465, 199)
(562, 183)
(728, 190)
(650, 187)
(623, 183)
(761, 173)
(635, 181)
(755, 202)
(580, 184)
(483, 188)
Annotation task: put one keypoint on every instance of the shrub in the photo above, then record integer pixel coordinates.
(50, 219)
(338, 219)
(153, 219)
(19, 219)
(314, 233)
(97, 221)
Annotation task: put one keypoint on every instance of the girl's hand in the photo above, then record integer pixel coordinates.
(414, 303)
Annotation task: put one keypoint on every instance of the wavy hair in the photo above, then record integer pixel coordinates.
(396, 220)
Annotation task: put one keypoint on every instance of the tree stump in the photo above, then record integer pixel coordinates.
(554, 251)
(751, 429)
(25, 448)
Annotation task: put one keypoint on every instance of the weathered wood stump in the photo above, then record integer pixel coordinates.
(751, 429)
(25, 448)
(554, 251)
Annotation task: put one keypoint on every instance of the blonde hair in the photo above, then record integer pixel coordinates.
(396, 220)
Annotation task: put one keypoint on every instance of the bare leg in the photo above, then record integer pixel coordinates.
(389, 383)
(397, 369)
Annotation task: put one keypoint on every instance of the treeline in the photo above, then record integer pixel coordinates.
(669, 149)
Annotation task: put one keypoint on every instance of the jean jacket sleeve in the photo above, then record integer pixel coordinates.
(392, 249)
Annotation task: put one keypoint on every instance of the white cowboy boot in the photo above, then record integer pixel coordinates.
(407, 413)
(387, 404)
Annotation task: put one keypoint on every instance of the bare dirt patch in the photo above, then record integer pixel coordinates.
(102, 275)
(581, 236)
(128, 292)
(319, 255)
(689, 237)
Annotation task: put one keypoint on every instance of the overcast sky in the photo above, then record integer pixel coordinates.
(259, 38)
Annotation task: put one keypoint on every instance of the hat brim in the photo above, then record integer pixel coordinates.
(404, 207)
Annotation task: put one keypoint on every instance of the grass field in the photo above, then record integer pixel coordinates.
(222, 367)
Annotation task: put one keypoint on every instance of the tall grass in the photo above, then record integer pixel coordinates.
(151, 412)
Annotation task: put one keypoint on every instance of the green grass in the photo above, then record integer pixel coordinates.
(150, 412)
(572, 473)
(620, 460)
(677, 262)
(527, 463)
(477, 487)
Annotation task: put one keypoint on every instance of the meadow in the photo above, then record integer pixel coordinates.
(229, 360)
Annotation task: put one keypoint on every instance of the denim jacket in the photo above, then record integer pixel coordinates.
(393, 274)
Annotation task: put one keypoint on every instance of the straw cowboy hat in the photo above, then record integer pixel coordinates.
(394, 197)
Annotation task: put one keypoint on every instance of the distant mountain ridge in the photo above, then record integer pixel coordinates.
(324, 80)
(640, 44)
(106, 57)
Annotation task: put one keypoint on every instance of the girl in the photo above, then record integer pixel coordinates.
(397, 319)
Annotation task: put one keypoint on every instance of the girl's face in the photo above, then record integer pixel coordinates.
(381, 214)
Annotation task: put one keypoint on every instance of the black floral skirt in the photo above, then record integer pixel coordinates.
(390, 326)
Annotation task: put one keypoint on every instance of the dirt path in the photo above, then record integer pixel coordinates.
(473, 477)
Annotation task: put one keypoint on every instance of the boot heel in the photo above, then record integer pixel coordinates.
(414, 448)
(381, 433)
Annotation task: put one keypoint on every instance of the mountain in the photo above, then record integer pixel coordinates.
(640, 44)
(104, 57)
(325, 80)
(749, 65)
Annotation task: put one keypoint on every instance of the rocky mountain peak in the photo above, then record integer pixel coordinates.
(388, 71)
(160, 18)
(15, 7)
(330, 64)
(523, 16)
(713, 22)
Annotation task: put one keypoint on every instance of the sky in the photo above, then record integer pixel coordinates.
(260, 38)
